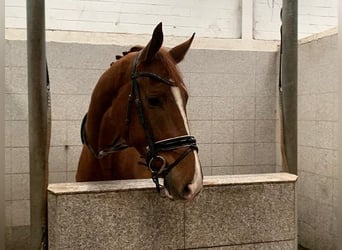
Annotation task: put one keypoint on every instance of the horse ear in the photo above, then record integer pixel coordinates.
(154, 44)
(178, 52)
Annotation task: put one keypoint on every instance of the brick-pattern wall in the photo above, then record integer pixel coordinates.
(231, 111)
(313, 17)
(181, 18)
(317, 143)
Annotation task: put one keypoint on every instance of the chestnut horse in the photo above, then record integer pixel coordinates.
(136, 124)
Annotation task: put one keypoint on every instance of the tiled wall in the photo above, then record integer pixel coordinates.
(317, 139)
(222, 19)
(231, 111)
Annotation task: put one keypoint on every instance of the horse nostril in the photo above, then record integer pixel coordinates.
(187, 192)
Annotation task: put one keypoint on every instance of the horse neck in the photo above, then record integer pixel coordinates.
(101, 100)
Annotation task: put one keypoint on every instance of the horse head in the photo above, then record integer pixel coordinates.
(140, 101)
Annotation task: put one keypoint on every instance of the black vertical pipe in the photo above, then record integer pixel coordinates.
(289, 78)
(38, 120)
(2, 127)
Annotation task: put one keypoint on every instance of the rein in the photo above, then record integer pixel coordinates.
(153, 147)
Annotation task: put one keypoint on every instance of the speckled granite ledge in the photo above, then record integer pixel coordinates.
(257, 211)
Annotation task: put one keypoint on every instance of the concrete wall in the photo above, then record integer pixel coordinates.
(232, 212)
(231, 111)
(222, 19)
(317, 139)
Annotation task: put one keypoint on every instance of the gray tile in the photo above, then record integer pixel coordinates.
(265, 131)
(8, 161)
(74, 81)
(20, 160)
(72, 56)
(20, 213)
(222, 131)
(325, 135)
(327, 107)
(20, 189)
(58, 133)
(8, 187)
(8, 213)
(227, 170)
(307, 107)
(73, 155)
(267, 63)
(244, 154)
(205, 154)
(238, 62)
(16, 107)
(202, 83)
(57, 177)
(326, 162)
(202, 130)
(244, 131)
(244, 108)
(266, 85)
(307, 158)
(265, 108)
(71, 176)
(324, 190)
(200, 108)
(307, 132)
(222, 154)
(223, 108)
(76, 106)
(265, 154)
(16, 80)
(58, 107)
(18, 53)
(306, 235)
(309, 184)
(57, 159)
(242, 84)
(19, 133)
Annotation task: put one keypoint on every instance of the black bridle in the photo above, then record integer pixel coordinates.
(153, 147)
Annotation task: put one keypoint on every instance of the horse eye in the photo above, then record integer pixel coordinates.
(154, 102)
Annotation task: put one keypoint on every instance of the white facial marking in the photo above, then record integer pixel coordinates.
(197, 182)
(178, 97)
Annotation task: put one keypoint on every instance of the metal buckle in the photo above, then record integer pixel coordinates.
(161, 169)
